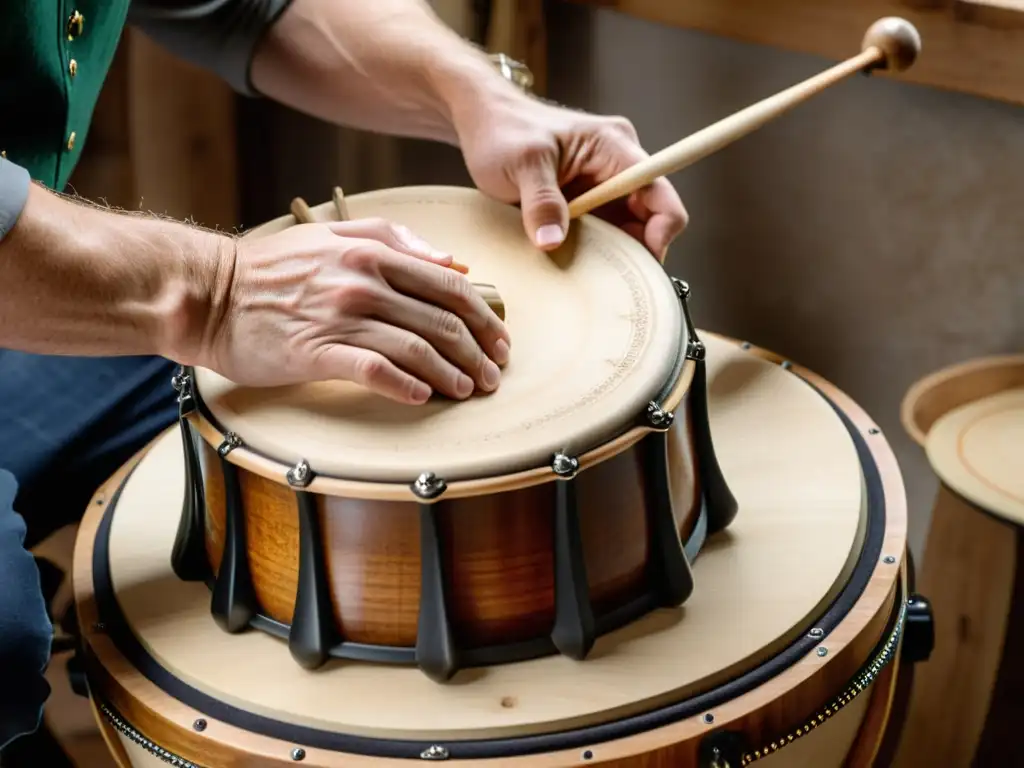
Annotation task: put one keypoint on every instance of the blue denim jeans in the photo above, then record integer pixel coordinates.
(66, 424)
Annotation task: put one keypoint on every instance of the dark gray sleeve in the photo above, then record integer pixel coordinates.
(14, 181)
(218, 35)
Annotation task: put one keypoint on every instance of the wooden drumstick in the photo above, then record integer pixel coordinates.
(300, 210)
(890, 43)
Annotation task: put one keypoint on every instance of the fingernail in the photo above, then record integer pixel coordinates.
(491, 375)
(500, 352)
(464, 386)
(421, 392)
(549, 234)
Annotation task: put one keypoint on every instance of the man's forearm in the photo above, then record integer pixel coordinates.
(81, 280)
(389, 66)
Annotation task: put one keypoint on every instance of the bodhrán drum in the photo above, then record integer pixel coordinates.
(521, 523)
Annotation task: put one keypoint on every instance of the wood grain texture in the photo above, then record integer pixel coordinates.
(182, 129)
(957, 55)
(967, 573)
(780, 703)
(499, 548)
(939, 393)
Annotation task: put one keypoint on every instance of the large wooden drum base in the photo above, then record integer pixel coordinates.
(785, 654)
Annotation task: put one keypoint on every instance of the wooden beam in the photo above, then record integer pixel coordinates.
(966, 48)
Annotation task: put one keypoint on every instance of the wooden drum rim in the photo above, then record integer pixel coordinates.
(603, 335)
(264, 466)
(978, 378)
(874, 616)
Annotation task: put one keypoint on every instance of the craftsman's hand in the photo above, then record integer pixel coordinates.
(519, 149)
(361, 300)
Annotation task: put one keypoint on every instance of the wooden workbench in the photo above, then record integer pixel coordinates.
(970, 46)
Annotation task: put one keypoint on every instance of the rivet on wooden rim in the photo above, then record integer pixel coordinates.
(428, 486)
(300, 475)
(199, 725)
(657, 417)
(231, 441)
(298, 754)
(888, 559)
(822, 651)
(565, 466)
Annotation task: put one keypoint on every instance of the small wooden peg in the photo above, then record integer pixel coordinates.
(339, 203)
(301, 211)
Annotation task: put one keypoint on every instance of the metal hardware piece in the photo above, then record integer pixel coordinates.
(180, 378)
(429, 486)
(888, 559)
(722, 749)
(199, 725)
(816, 632)
(695, 350)
(682, 288)
(864, 678)
(514, 71)
(300, 475)
(231, 441)
(657, 417)
(119, 725)
(822, 651)
(434, 752)
(181, 381)
(920, 634)
(565, 466)
(298, 754)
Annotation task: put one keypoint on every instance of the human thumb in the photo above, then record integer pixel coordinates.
(545, 212)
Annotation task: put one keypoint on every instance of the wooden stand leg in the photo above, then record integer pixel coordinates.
(968, 572)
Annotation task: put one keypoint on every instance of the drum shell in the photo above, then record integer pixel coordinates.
(765, 714)
(497, 547)
(851, 736)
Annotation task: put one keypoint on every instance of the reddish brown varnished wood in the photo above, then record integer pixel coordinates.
(497, 548)
(774, 707)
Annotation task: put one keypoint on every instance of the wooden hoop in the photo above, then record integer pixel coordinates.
(801, 687)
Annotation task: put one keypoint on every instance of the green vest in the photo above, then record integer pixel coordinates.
(54, 57)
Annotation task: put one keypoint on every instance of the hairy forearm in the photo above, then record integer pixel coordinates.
(389, 66)
(78, 279)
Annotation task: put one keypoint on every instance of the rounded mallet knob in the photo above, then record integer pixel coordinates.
(897, 39)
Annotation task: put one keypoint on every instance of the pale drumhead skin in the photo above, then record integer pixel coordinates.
(978, 451)
(789, 552)
(597, 331)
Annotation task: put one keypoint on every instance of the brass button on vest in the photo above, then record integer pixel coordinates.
(73, 67)
(76, 25)
(71, 140)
